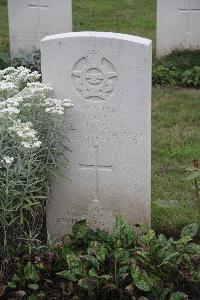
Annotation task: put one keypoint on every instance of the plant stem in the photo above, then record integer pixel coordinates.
(198, 198)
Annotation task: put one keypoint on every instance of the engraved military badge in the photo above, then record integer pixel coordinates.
(94, 76)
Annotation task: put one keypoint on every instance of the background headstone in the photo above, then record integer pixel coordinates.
(108, 78)
(32, 20)
(178, 24)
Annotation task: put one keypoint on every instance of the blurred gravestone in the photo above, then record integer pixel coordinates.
(108, 78)
(178, 24)
(32, 20)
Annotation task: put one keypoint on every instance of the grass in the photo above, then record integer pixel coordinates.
(4, 35)
(175, 112)
(135, 17)
(175, 143)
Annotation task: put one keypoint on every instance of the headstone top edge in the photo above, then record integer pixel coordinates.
(97, 34)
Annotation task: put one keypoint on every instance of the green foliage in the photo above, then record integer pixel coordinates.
(190, 230)
(162, 75)
(178, 68)
(182, 60)
(118, 265)
(30, 61)
(30, 125)
(140, 279)
(4, 60)
(178, 296)
(27, 277)
(191, 78)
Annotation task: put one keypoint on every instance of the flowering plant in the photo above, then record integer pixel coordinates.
(30, 123)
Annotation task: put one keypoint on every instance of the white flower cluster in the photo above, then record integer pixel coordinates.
(10, 106)
(35, 90)
(26, 133)
(7, 89)
(6, 71)
(7, 159)
(55, 106)
(20, 76)
(20, 95)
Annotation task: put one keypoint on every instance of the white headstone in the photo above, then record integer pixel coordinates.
(108, 78)
(178, 25)
(32, 20)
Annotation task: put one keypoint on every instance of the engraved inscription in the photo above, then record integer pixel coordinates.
(38, 3)
(94, 76)
(189, 11)
(97, 128)
(97, 167)
(103, 136)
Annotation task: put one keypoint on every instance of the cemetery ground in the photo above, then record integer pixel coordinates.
(175, 111)
(159, 268)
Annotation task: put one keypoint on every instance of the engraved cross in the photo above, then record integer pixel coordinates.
(97, 167)
(189, 11)
(38, 4)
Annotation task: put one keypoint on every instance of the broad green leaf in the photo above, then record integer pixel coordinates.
(196, 276)
(168, 258)
(191, 169)
(140, 278)
(70, 275)
(30, 272)
(101, 253)
(12, 285)
(178, 296)
(162, 240)
(74, 263)
(124, 234)
(16, 278)
(65, 251)
(93, 261)
(106, 277)
(79, 230)
(193, 175)
(93, 273)
(190, 230)
(193, 248)
(167, 203)
(33, 286)
(183, 240)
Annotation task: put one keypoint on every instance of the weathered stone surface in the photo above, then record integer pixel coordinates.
(108, 78)
(32, 20)
(178, 23)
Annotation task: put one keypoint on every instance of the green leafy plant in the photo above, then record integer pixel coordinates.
(30, 61)
(123, 264)
(179, 68)
(30, 124)
(28, 278)
(163, 75)
(191, 77)
(141, 264)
